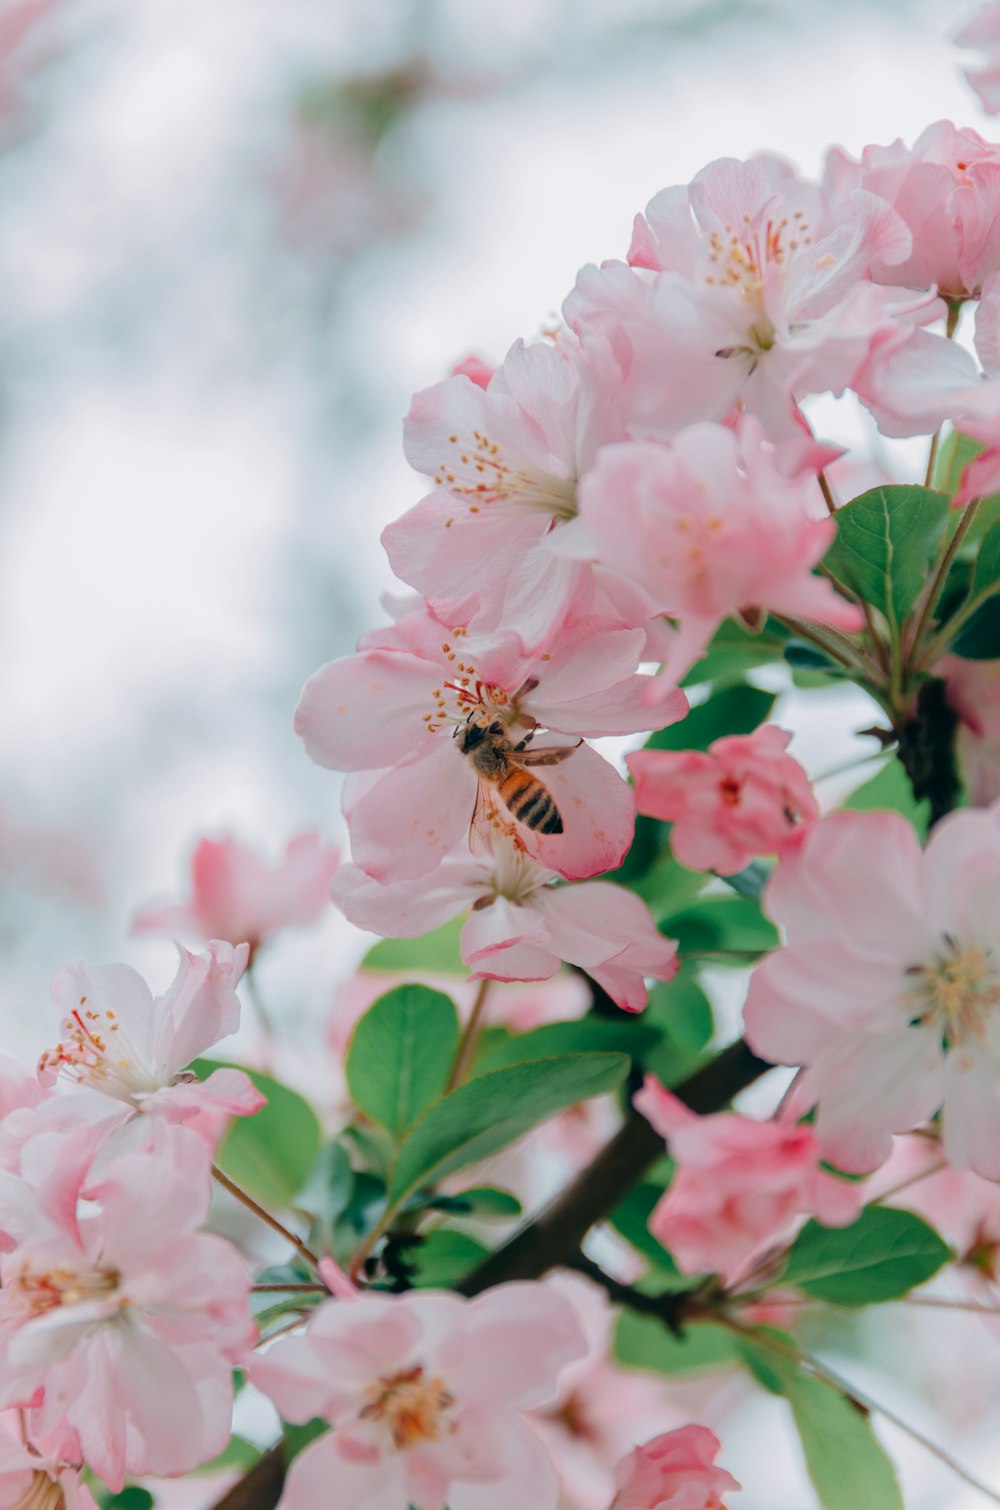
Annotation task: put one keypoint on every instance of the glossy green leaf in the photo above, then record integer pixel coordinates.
(484, 1202)
(129, 1498)
(297, 1438)
(886, 541)
(979, 639)
(400, 1055)
(435, 953)
(881, 1256)
(444, 1257)
(643, 1342)
(271, 1153)
(627, 1034)
(682, 1014)
(890, 789)
(734, 650)
(735, 709)
(847, 1464)
(733, 924)
(238, 1454)
(495, 1109)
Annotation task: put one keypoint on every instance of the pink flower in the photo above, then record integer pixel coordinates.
(40, 1478)
(946, 188)
(740, 1185)
(675, 1471)
(709, 526)
(601, 1407)
(133, 1047)
(521, 925)
(394, 714)
(118, 1318)
(745, 797)
(475, 369)
(424, 1393)
(973, 690)
(889, 986)
(236, 896)
(746, 287)
(487, 547)
(983, 33)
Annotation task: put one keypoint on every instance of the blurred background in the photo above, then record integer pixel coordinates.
(234, 238)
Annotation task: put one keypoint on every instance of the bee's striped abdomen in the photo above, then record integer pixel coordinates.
(530, 802)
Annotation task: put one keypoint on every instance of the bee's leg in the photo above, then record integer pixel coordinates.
(525, 742)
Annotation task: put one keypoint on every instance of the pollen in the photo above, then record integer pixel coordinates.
(411, 1407)
(30, 1293)
(957, 994)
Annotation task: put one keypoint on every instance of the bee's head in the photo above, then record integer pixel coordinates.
(469, 735)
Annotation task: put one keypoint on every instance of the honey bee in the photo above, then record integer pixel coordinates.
(505, 766)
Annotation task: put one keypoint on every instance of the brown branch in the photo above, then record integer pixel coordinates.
(555, 1236)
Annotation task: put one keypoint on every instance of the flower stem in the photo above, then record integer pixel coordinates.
(827, 491)
(294, 1289)
(936, 585)
(469, 1040)
(837, 646)
(266, 1217)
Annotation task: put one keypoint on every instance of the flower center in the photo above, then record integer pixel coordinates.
(482, 473)
(465, 693)
(739, 259)
(30, 1293)
(95, 1051)
(957, 994)
(411, 1407)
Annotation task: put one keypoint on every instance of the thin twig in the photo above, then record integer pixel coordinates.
(295, 1289)
(265, 1216)
(469, 1041)
(825, 1375)
(914, 1179)
(936, 585)
(837, 646)
(827, 491)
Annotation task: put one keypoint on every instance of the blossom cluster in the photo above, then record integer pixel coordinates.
(611, 510)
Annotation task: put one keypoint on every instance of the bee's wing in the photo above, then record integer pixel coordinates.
(555, 755)
(479, 823)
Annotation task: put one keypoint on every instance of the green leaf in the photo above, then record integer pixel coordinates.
(682, 1013)
(483, 1202)
(643, 1342)
(735, 709)
(297, 1438)
(495, 1109)
(627, 1034)
(238, 1454)
(890, 788)
(732, 923)
(986, 566)
(886, 540)
(952, 459)
(130, 1498)
(881, 1256)
(435, 953)
(849, 1468)
(400, 1055)
(270, 1154)
(735, 650)
(444, 1257)
(979, 639)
